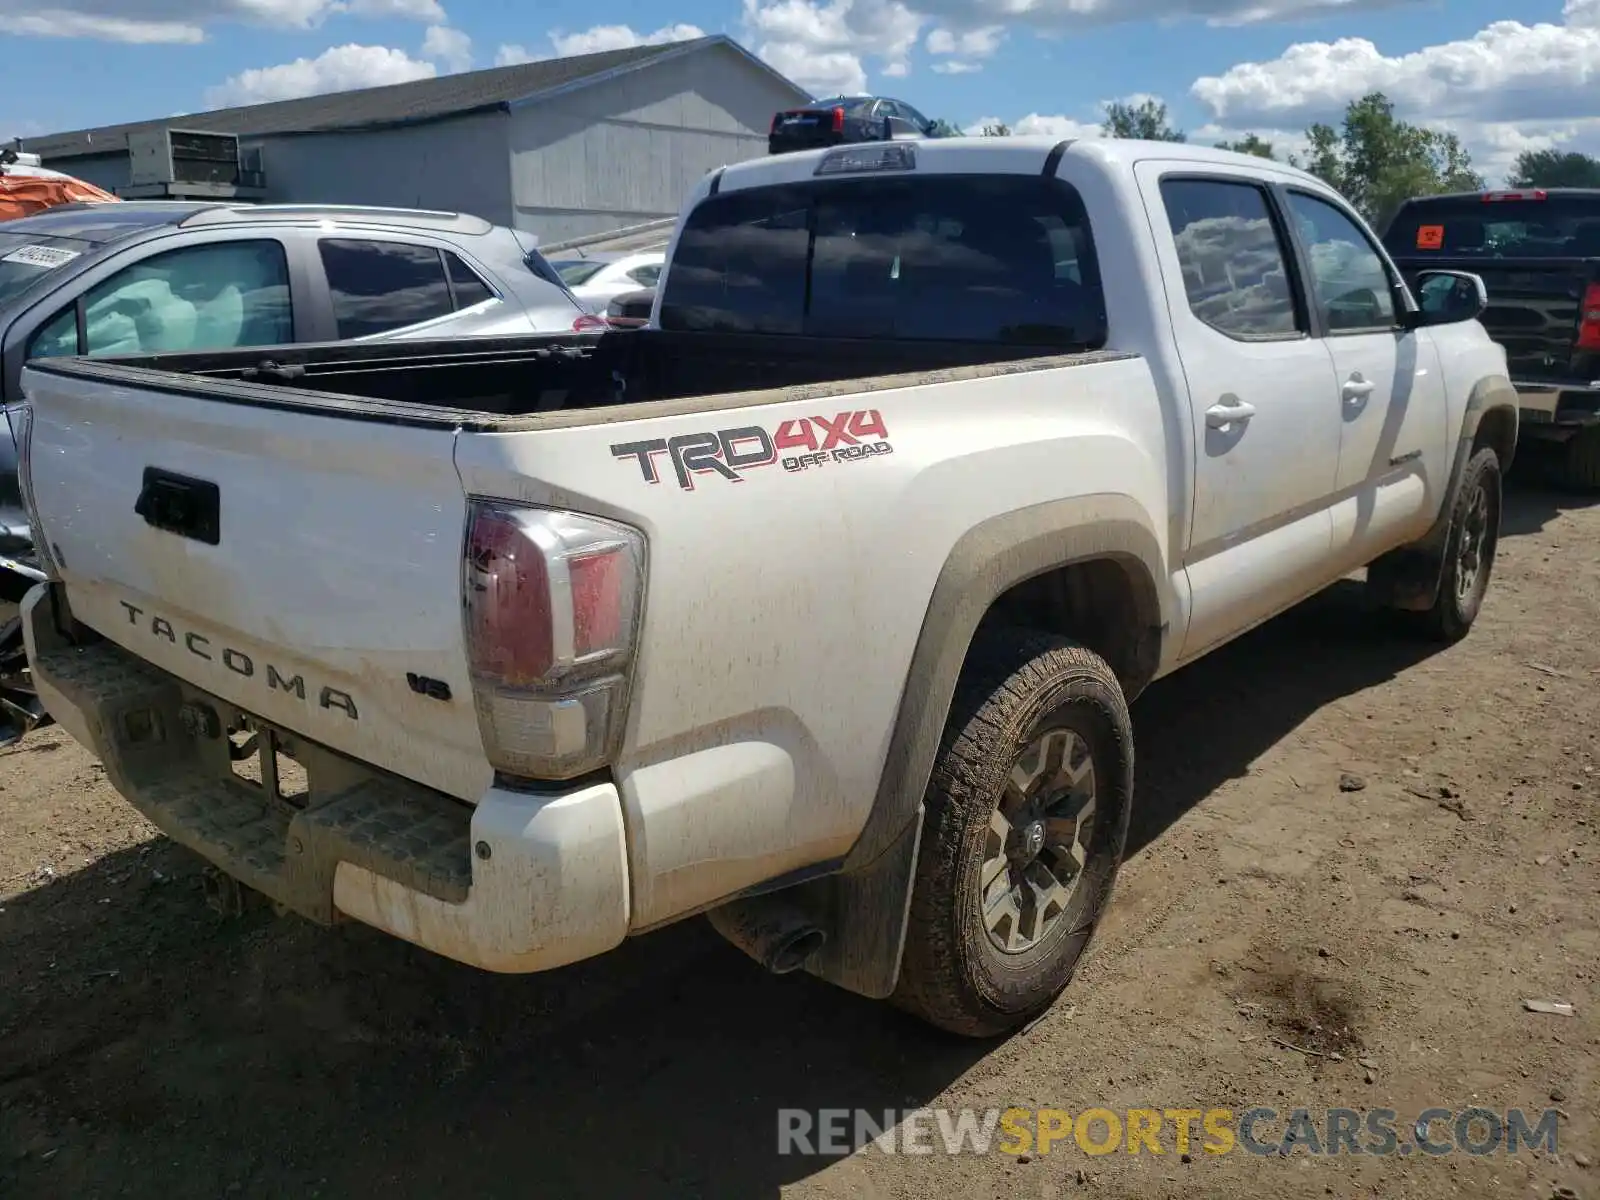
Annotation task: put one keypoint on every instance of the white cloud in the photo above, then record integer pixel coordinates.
(1510, 87)
(822, 45)
(1069, 14)
(973, 43)
(823, 73)
(511, 55)
(620, 37)
(1505, 72)
(829, 45)
(1035, 124)
(448, 46)
(185, 21)
(415, 10)
(956, 66)
(55, 23)
(339, 69)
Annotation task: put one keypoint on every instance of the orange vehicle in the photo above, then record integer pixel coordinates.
(27, 189)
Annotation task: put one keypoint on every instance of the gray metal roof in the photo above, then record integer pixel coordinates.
(396, 104)
(632, 239)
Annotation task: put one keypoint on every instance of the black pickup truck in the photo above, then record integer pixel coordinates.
(1538, 254)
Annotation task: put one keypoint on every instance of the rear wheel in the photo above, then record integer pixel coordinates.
(1580, 460)
(1470, 547)
(1026, 823)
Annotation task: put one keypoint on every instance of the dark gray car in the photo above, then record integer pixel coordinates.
(141, 277)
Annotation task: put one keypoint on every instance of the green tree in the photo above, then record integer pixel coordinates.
(1147, 121)
(999, 129)
(1250, 143)
(1378, 161)
(1553, 169)
(943, 128)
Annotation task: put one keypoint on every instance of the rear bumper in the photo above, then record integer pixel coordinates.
(522, 882)
(1551, 403)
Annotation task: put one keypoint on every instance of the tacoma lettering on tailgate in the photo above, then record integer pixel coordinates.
(237, 661)
(844, 438)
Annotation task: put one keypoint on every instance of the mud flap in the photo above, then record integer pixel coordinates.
(1407, 580)
(868, 909)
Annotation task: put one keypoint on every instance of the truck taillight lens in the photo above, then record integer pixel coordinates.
(1589, 319)
(20, 418)
(552, 602)
(838, 120)
(589, 323)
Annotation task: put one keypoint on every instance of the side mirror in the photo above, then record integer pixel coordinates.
(1448, 298)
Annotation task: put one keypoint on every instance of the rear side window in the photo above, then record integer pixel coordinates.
(960, 258)
(537, 263)
(1470, 227)
(468, 287)
(380, 286)
(1232, 256)
(646, 276)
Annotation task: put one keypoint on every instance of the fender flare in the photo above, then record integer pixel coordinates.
(1490, 394)
(989, 560)
(1409, 578)
(868, 901)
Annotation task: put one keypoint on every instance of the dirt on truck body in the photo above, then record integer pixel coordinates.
(153, 1052)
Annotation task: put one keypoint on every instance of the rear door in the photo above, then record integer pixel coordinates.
(331, 571)
(1392, 405)
(1262, 390)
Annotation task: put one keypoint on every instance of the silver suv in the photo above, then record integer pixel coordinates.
(142, 277)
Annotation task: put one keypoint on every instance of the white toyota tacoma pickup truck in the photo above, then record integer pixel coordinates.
(816, 606)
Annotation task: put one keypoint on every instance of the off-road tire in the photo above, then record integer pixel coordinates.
(1580, 461)
(1453, 613)
(1015, 684)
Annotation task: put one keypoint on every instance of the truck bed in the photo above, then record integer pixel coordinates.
(498, 383)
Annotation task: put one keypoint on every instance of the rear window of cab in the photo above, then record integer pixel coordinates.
(1004, 258)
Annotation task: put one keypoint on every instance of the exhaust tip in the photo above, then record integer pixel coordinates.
(771, 930)
(792, 953)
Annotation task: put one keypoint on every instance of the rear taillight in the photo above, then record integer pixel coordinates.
(20, 418)
(589, 323)
(552, 604)
(838, 120)
(1589, 319)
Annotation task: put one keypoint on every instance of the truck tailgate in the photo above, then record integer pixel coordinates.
(324, 598)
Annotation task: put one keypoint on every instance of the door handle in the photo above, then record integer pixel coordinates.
(1220, 416)
(1357, 388)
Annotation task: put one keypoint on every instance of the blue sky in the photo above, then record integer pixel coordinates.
(1505, 76)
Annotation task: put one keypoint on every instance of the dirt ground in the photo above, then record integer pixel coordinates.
(1275, 939)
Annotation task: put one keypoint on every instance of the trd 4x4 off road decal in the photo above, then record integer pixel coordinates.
(845, 438)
